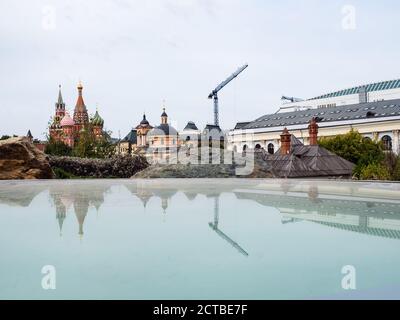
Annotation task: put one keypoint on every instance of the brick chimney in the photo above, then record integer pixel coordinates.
(313, 132)
(285, 142)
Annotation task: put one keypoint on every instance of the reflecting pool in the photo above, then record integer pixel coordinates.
(199, 239)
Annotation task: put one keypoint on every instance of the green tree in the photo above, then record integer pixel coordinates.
(5, 137)
(355, 148)
(88, 145)
(57, 148)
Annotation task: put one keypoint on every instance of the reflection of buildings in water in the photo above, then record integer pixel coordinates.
(19, 194)
(214, 226)
(61, 212)
(372, 216)
(79, 197)
(190, 195)
(145, 190)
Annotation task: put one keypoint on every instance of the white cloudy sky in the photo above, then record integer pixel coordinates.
(131, 54)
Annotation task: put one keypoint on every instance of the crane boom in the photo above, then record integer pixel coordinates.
(214, 93)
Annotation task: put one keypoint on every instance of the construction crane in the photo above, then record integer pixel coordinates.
(214, 226)
(214, 93)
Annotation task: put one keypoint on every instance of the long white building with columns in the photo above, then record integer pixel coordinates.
(373, 110)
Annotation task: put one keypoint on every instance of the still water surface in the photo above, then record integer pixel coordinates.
(199, 239)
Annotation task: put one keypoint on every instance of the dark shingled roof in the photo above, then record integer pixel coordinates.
(191, 126)
(131, 137)
(369, 110)
(308, 161)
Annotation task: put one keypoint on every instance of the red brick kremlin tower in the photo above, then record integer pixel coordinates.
(55, 127)
(81, 117)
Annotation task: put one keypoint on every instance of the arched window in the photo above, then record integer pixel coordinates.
(245, 148)
(367, 139)
(271, 148)
(387, 143)
(235, 149)
(188, 138)
(258, 146)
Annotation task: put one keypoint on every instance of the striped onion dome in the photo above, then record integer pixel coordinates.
(97, 120)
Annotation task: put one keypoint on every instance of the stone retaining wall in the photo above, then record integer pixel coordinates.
(116, 167)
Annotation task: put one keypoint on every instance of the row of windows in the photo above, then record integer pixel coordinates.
(329, 105)
(386, 140)
(162, 141)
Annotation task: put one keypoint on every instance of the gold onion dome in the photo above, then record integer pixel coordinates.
(97, 120)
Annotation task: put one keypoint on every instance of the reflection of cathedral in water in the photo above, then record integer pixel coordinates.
(76, 198)
(368, 209)
(367, 215)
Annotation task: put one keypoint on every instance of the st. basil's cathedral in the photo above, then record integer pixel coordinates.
(66, 129)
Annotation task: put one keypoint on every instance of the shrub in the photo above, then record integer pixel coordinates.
(375, 171)
(57, 148)
(62, 174)
(355, 148)
(396, 170)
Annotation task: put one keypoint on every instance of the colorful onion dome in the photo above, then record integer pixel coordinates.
(67, 121)
(97, 120)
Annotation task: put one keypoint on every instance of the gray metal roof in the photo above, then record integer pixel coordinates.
(241, 125)
(211, 127)
(131, 137)
(377, 86)
(369, 110)
(163, 129)
(190, 126)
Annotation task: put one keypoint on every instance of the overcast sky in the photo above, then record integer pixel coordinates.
(131, 55)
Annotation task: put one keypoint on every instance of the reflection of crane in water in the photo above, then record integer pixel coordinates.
(214, 226)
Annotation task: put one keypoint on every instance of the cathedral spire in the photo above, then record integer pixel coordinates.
(60, 105)
(60, 99)
(80, 104)
(81, 116)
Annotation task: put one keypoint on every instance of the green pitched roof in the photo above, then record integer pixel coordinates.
(377, 86)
